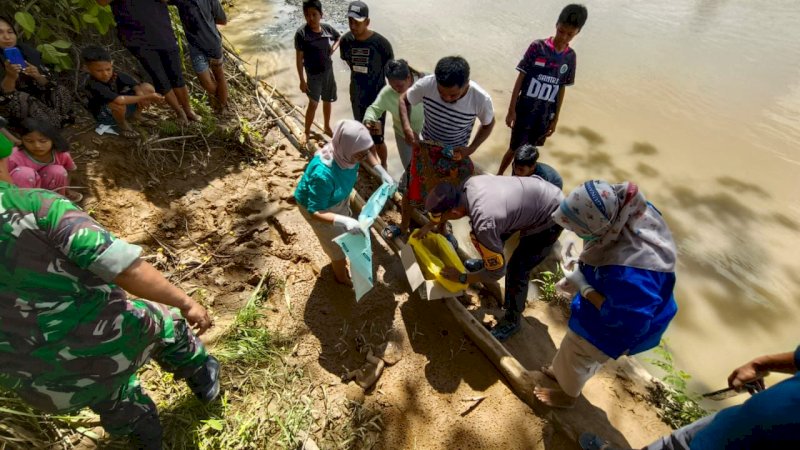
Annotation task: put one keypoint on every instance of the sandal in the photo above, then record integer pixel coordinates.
(391, 231)
(505, 329)
(73, 196)
(129, 134)
(591, 441)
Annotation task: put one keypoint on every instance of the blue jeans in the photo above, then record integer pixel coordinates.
(681, 438)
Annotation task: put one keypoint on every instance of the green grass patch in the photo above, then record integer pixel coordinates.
(266, 402)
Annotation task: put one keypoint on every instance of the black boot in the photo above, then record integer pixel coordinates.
(147, 434)
(204, 382)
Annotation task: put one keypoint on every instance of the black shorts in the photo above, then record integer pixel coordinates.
(528, 131)
(163, 66)
(322, 85)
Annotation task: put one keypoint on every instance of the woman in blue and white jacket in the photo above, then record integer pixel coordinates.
(625, 279)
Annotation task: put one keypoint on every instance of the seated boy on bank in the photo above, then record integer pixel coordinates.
(526, 163)
(114, 97)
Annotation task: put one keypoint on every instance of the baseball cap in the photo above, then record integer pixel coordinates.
(358, 11)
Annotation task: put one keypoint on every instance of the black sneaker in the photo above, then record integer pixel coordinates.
(204, 382)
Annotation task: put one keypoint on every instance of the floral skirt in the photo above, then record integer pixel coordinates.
(430, 166)
(52, 104)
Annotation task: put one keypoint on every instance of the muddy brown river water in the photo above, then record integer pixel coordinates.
(697, 101)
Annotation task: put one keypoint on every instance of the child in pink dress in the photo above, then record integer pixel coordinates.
(43, 160)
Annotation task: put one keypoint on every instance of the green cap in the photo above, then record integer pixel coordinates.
(5, 146)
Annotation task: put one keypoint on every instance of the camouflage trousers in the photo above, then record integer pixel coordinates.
(102, 375)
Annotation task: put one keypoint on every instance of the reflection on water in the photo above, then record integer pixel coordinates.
(695, 100)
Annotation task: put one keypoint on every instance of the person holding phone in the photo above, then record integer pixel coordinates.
(26, 90)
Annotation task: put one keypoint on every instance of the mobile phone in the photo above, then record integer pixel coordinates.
(14, 56)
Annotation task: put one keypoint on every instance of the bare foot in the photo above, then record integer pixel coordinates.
(554, 397)
(345, 281)
(548, 370)
(328, 131)
(181, 119)
(193, 117)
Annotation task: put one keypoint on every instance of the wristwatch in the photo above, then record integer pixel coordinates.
(462, 278)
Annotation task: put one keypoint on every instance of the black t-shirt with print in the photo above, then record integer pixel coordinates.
(546, 72)
(367, 60)
(101, 94)
(316, 47)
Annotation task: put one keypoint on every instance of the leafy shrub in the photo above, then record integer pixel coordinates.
(54, 24)
(677, 406)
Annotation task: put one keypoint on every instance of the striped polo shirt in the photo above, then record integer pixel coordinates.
(450, 124)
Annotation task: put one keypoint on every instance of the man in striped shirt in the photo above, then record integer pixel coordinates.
(452, 102)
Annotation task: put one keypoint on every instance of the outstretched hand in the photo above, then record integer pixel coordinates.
(197, 316)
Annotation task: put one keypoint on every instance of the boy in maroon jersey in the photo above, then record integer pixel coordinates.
(547, 67)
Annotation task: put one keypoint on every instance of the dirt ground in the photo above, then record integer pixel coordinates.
(218, 217)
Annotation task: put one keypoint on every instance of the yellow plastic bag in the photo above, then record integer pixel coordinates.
(435, 253)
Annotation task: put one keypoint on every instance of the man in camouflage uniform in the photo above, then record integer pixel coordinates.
(69, 337)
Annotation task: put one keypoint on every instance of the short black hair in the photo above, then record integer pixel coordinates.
(95, 53)
(526, 155)
(573, 15)
(32, 125)
(443, 197)
(308, 4)
(452, 71)
(397, 69)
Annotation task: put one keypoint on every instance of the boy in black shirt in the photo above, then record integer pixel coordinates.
(547, 67)
(114, 97)
(145, 29)
(314, 43)
(366, 52)
(200, 19)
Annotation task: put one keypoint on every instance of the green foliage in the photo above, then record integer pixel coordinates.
(547, 286)
(678, 406)
(54, 25)
(248, 133)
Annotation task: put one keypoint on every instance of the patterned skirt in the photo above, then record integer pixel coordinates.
(430, 166)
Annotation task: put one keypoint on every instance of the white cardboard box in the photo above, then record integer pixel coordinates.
(428, 290)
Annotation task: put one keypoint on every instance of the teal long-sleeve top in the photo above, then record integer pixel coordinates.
(323, 186)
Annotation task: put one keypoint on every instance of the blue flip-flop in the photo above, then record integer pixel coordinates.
(391, 231)
(591, 441)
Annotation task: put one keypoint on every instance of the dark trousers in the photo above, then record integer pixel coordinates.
(531, 250)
